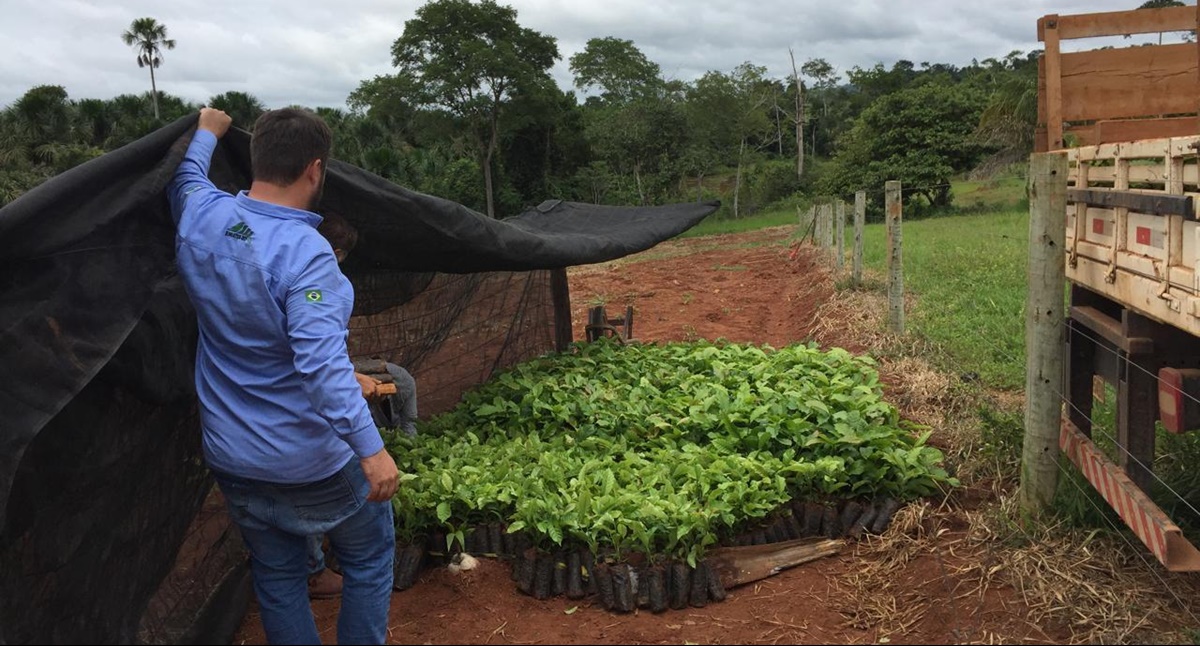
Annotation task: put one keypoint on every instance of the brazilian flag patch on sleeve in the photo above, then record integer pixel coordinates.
(313, 296)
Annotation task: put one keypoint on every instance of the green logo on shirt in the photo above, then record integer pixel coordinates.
(240, 231)
(313, 296)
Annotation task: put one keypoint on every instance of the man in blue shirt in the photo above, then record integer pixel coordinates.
(398, 410)
(286, 431)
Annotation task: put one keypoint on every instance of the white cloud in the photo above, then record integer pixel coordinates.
(316, 52)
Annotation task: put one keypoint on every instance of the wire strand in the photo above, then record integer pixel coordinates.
(1149, 468)
(1138, 551)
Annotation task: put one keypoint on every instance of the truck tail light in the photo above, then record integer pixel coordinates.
(1178, 392)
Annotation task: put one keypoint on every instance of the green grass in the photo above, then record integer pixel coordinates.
(712, 226)
(999, 194)
(968, 272)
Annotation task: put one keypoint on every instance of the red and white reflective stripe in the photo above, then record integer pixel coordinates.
(1151, 525)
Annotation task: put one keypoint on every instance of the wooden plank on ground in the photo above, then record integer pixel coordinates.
(740, 565)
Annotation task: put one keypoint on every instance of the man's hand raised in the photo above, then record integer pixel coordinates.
(214, 121)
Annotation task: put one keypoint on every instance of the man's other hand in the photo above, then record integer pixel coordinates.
(214, 121)
(369, 386)
(382, 475)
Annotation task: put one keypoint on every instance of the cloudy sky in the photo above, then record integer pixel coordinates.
(314, 52)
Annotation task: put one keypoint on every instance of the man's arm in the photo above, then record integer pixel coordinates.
(191, 177)
(316, 311)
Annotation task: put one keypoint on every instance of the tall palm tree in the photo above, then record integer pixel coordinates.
(148, 38)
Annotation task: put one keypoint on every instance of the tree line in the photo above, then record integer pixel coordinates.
(470, 113)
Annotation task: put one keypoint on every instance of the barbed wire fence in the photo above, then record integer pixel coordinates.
(1069, 476)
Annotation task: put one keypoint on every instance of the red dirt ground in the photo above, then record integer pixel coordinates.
(745, 288)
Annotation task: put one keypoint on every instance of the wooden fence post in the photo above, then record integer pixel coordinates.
(560, 297)
(818, 221)
(841, 233)
(827, 226)
(819, 226)
(895, 258)
(1044, 316)
(860, 218)
(802, 218)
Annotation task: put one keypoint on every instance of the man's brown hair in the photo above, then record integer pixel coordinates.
(338, 231)
(285, 142)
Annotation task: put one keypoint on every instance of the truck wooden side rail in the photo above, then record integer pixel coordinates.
(1132, 250)
(1122, 94)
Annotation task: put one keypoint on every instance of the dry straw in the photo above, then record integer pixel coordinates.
(1090, 586)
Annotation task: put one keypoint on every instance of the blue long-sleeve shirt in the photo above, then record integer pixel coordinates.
(278, 397)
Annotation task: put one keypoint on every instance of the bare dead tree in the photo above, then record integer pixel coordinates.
(799, 117)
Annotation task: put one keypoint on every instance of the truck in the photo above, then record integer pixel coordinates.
(1128, 120)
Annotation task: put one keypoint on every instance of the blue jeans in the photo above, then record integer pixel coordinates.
(276, 521)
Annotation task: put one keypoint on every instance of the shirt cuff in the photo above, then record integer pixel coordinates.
(365, 441)
(204, 136)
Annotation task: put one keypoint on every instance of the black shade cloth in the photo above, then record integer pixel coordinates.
(87, 270)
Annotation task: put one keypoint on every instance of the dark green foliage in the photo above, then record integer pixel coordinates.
(660, 449)
(921, 136)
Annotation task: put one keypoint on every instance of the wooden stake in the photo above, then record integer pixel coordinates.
(1044, 316)
(841, 234)
(895, 258)
(819, 226)
(827, 226)
(860, 218)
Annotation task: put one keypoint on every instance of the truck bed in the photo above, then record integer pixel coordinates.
(1132, 233)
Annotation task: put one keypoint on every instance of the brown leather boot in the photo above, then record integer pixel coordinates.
(325, 584)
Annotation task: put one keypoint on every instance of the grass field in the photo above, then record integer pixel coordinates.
(968, 274)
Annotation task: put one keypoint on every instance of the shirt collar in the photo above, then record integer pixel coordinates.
(277, 211)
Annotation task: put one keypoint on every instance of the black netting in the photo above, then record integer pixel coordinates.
(110, 528)
(103, 496)
(459, 330)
